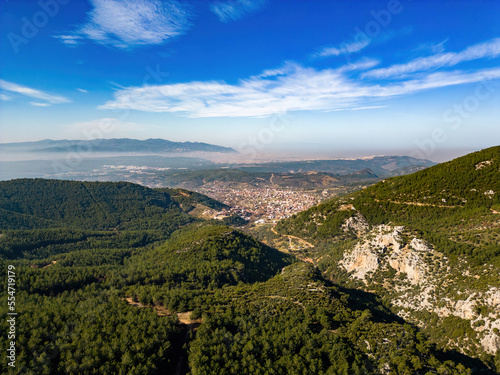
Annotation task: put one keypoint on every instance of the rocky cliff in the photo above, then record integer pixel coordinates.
(422, 276)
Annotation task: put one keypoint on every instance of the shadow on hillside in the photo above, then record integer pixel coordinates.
(361, 300)
(478, 367)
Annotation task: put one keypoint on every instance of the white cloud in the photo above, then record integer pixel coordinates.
(70, 40)
(434, 48)
(129, 23)
(232, 10)
(293, 87)
(300, 89)
(363, 64)
(359, 42)
(286, 68)
(5, 97)
(32, 93)
(38, 104)
(82, 90)
(441, 79)
(489, 49)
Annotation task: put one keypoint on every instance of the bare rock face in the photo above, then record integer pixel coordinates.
(362, 260)
(422, 277)
(465, 308)
(356, 224)
(483, 164)
(409, 260)
(493, 298)
(419, 245)
(491, 343)
(367, 256)
(388, 236)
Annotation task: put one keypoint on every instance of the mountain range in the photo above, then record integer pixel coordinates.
(89, 161)
(121, 145)
(305, 180)
(383, 166)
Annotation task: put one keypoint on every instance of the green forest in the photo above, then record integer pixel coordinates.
(452, 206)
(450, 197)
(116, 278)
(259, 312)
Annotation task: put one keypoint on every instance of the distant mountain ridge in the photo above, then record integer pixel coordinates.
(366, 173)
(308, 180)
(128, 145)
(381, 166)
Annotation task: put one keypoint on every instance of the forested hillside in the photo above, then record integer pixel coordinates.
(190, 199)
(302, 180)
(115, 311)
(38, 203)
(461, 196)
(161, 292)
(383, 166)
(428, 242)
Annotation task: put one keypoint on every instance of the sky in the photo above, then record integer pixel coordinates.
(413, 77)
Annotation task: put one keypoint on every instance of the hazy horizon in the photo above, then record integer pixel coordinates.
(279, 152)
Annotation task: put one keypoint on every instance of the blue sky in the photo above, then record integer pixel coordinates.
(415, 77)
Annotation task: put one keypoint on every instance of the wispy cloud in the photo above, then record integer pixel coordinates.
(430, 47)
(82, 90)
(32, 93)
(38, 104)
(5, 97)
(359, 42)
(233, 10)
(489, 49)
(287, 68)
(440, 79)
(362, 64)
(295, 88)
(129, 23)
(70, 40)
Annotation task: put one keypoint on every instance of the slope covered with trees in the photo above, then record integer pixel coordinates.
(428, 242)
(39, 203)
(461, 194)
(259, 311)
(190, 199)
(128, 300)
